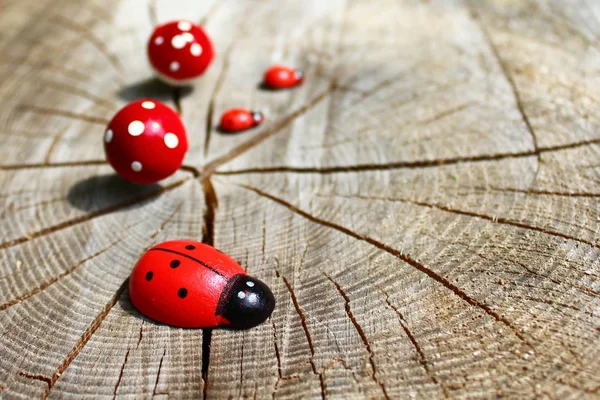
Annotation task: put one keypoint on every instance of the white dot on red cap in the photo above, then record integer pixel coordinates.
(188, 37)
(108, 136)
(136, 166)
(136, 128)
(148, 105)
(159, 40)
(196, 49)
(178, 42)
(184, 25)
(174, 66)
(171, 140)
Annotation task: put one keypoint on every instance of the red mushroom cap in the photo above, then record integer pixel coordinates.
(240, 119)
(145, 141)
(179, 52)
(282, 76)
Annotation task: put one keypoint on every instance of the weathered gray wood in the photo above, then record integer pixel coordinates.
(424, 207)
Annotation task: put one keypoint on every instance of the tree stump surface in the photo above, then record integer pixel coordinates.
(425, 207)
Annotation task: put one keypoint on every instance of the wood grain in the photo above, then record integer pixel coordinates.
(424, 207)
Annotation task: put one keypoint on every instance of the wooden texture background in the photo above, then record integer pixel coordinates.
(425, 207)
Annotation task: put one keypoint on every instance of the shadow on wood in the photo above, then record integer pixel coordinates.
(152, 88)
(92, 193)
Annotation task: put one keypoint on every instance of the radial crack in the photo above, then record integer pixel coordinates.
(83, 163)
(61, 113)
(515, 91)
(543, 192)
(121, 374)
(90, 216)
(44, 285)
(416, 164)
(304, 324)
(494, 219)
(421, 354)
(361, 333)
(154, 393)
(85, 338)
(398, 254)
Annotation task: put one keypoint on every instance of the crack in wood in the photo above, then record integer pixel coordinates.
(90, 216)
(304, 324)
(494, 219)
(398, 254)
(44, 285)
(212, 202)
(387, 82)
(509, 78)
(154, 392)
(84, 339)
(206, 342)
(211, 12)
(277, 354)
(12, 208)
(72, 89)
(121, 374)
(541, 192)
(141, 335)
(152, 15)
(61, 113)
(416, 164)
(446, 113)
(36, 377)
(55, 141)
(83, 163)
(361, 333)
(167, 220)
(191, 169)
(413, 340)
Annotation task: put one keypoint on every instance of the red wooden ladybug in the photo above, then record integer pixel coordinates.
(193, 285)
(179, 52)
(145, 141)
(281, 77)
(240, 119)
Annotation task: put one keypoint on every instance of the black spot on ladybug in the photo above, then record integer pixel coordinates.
(175, 263)
(149, 276)
(190, 247)
(182, 293)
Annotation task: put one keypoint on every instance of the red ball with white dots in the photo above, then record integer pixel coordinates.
(145, 141)
(179, 52)
(282, 76)
(240, 119)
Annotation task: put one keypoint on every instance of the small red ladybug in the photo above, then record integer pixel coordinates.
(145, 141)
(193, 285)
(281, 77)
(240, 119)
(179, 52)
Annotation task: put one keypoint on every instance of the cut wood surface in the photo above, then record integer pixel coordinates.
(425, 207)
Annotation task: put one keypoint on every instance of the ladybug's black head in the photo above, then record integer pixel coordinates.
(246, 302)
(257, 117)
(299, 75)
